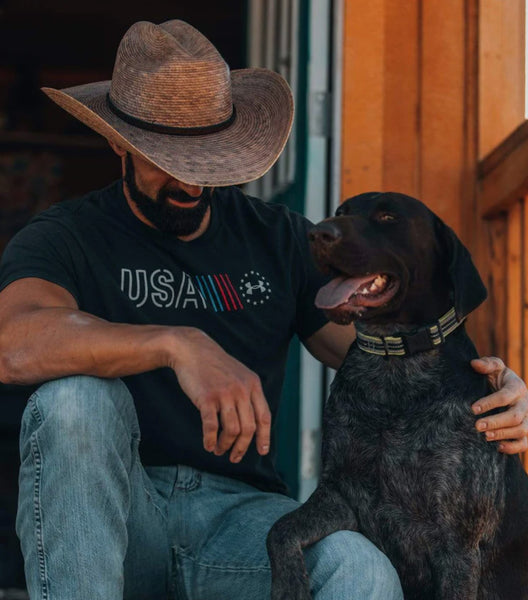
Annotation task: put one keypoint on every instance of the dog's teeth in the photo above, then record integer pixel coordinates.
(378, 283)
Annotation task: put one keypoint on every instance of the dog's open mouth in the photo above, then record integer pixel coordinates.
(356, 293)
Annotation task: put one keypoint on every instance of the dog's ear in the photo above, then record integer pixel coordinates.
(468, 288)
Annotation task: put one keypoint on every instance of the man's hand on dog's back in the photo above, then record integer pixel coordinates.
(509, 426)
(43, 336)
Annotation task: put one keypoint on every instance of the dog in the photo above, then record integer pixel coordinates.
(402, 462)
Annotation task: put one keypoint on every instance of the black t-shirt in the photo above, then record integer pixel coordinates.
(248, 282)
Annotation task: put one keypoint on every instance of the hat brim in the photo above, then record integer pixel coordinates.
(242, 152)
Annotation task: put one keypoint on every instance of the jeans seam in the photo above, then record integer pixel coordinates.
(181, 552)
(37, 459)
(35, 409)
(158, 508)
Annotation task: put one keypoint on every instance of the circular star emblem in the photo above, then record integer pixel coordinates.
(254, 288)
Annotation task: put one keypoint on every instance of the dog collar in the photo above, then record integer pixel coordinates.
(405, 344)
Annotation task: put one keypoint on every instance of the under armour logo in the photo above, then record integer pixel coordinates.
(258, 286)
(254, 288)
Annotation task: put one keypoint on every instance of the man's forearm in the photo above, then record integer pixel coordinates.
(47, 343)
(43, 335)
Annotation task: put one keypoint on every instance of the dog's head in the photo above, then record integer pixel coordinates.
(393, 260)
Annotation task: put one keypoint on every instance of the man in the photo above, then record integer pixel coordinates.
(190, 293)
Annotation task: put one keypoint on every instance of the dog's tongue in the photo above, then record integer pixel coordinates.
(339, 290)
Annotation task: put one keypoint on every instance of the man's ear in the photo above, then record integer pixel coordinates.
(120, 151)
(467, 287)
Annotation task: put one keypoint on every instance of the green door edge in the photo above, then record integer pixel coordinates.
(288, 423)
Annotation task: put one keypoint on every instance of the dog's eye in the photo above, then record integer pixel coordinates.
(385, 216)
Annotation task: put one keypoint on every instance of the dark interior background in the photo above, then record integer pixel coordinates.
(47, 156)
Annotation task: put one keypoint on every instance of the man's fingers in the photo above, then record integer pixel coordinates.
(509, 433)
(248, 427)
(508, 427)
(209, 426)
(514, 447)
(263, 420)
(487, 364)
(504, 397)
(507, 419)
(230, 427)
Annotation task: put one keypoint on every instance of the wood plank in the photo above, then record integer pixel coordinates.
(401, 97)
(514, 289)
(504, 174)
(502, 57)
(362, 113)
(501, 152)
(491, 337)
(443, 107)
(524, 276)
(473, 231)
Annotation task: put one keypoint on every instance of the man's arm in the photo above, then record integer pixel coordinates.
(44, 335)
(330, 345)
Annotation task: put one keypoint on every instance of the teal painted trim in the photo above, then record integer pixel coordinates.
(288, 462)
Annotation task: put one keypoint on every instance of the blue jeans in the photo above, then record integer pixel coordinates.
(94, 524)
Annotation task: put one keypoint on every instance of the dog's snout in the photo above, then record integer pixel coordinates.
(325, 232)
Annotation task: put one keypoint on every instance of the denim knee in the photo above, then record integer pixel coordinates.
(349, 556)
(90, 403)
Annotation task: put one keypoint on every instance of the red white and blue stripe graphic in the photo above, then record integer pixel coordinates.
(219, 292)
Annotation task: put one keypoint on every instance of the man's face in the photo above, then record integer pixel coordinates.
(170, 205)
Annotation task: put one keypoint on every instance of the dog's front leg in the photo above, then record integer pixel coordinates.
(456, 573)
(325, 512)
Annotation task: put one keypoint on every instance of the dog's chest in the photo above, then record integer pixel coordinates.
(377, 393)
(397, 420)
(399, 440)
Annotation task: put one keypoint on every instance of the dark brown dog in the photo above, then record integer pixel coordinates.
(402, 461)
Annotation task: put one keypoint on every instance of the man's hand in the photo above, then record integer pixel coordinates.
(511, 426)
(226, 393)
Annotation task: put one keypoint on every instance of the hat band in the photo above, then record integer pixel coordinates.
(158, 128)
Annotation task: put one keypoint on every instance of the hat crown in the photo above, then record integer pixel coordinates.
(171, 75)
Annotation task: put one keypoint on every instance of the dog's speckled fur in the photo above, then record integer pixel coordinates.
(402, 460)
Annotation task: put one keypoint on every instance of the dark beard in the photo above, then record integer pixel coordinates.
(163, 215)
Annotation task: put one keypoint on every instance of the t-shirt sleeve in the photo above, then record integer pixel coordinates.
(307, 281)
(42, 249)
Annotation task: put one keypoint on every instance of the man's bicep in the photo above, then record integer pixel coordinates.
(31, 293)
(331, 343)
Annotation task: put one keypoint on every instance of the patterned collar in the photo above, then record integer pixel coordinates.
(406, 344)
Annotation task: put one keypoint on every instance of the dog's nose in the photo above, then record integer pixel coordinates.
(325, 232)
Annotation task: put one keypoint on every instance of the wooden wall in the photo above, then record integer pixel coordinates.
(501, 57)
(405, 105)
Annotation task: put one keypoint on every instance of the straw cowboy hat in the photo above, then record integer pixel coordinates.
(173, 101)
